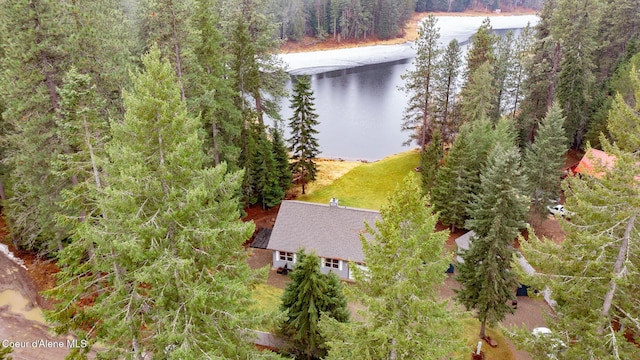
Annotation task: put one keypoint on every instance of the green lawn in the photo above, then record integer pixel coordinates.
(471, 328)
(267, 299)
(368, 186)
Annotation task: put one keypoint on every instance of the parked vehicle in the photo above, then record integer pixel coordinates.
(551, 343)
(559, 210)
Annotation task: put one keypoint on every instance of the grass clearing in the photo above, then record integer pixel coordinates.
(328, 172)
(267, 299)
(471, 328)
(367, 186)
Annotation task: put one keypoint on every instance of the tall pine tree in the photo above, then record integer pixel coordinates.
(450, 193)
(33, 66)
(544, 160)
(167, 25)
(55, 38)
(446, 89)
(169, 242)
(593, 274)
(497, 215)
(404, 317)
(504, 63)
(267, 179)
(541, 69)
(624, 119)
(431, 159)
(481, 48)
(212, 93)
(574, 24)
(281, 157)
(516, 73)
(309, 295)
(419, 116)
(478, 96)
(258, 81)
(303, 141)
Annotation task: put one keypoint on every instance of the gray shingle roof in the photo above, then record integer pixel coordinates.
(332, 232)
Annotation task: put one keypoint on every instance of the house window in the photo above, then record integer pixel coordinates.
(332, 263)
(287, 256)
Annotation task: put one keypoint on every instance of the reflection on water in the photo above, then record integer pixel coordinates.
(360, 111)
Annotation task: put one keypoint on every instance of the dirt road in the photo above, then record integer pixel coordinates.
(21, 324)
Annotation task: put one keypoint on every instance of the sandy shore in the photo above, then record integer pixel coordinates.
(411, 33)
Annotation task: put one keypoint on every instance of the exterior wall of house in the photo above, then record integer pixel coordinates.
(363, 268)
(280, 259)
(342, 269)
(339, 267)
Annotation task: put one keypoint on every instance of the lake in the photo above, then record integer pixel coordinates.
(356, 92)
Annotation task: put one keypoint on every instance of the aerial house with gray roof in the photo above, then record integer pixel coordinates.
(331, 231)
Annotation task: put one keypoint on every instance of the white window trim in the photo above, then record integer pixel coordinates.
(284, 256)
(325, 260)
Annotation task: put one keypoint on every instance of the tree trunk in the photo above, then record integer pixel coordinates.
(446, 106)
(163, 181)
(94, 164)
(483, 327)
(425, 116)
(619, 269)
(176, 49)
(394, 353)
(259, 108)
(136, 349)
(53, 96)
(3, 197)
(554, 70)
(96, 178)
(214, 136)
(517, 93)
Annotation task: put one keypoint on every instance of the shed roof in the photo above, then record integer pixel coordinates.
(330, 231)
(261, 240)
(595, 162)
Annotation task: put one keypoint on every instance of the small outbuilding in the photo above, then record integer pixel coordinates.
(331, 231)
(594, 163)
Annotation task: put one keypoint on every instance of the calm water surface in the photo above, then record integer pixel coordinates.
(360, 109)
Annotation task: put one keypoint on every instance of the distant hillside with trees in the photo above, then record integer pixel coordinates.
(363, 19)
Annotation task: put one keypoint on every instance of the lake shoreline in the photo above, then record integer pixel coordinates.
(356, 89)
(311, 44)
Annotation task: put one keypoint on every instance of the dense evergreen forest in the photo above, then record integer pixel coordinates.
(362, 19)
(493, 153)
(132, 134)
